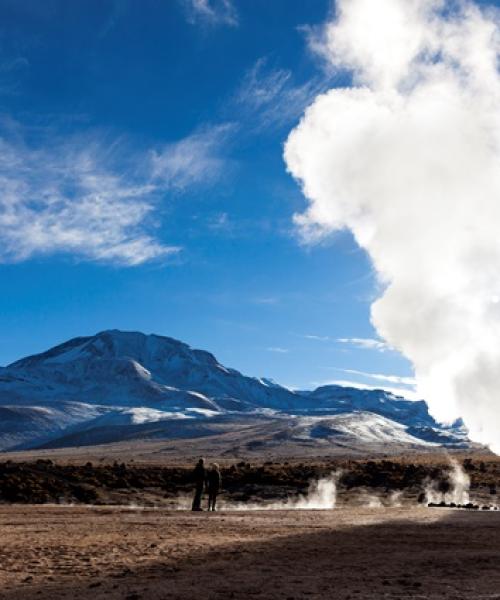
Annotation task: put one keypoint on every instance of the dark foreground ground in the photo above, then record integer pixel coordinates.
(53, 552)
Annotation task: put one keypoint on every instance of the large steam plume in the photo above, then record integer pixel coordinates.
(408, 159)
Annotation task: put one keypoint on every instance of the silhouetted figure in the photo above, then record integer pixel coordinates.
(199, 476)
(213, 485)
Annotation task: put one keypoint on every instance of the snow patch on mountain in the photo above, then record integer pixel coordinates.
(366, 426)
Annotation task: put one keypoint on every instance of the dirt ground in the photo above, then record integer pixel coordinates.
(52, 552)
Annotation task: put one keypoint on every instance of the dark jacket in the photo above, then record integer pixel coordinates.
(213, 480)
(199, 475)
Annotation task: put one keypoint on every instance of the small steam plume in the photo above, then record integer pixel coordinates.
(321, 495)
(457, 491)
(393, 500)
(371, 501)
(408, 160)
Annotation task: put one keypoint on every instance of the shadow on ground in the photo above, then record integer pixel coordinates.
(455, 557)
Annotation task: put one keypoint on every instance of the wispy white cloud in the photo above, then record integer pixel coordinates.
(278, 350)
(365, 343)
(194, 160)
(211, 12)
(396, 379)
(69, 194)
(63, 196)
(409, 394)
(318, 338)
(273, 96)
(89, 197)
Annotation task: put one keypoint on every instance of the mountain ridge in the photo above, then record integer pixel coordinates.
(118, 379)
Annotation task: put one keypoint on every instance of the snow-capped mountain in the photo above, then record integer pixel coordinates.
(118, 385)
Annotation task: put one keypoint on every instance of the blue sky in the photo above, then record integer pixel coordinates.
(144, 187)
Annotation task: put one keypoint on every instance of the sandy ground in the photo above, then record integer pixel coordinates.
(50, 552)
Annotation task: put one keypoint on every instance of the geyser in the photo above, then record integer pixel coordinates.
(458, 491)
(408, 159)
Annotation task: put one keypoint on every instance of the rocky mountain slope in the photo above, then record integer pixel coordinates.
(127, 385)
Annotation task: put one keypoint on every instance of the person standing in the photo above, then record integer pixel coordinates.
(213, 484)
(199, 476)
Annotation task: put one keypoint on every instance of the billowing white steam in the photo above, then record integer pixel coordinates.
(408, 159)
(459, 487)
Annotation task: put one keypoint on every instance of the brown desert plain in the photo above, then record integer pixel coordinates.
(81, 525)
